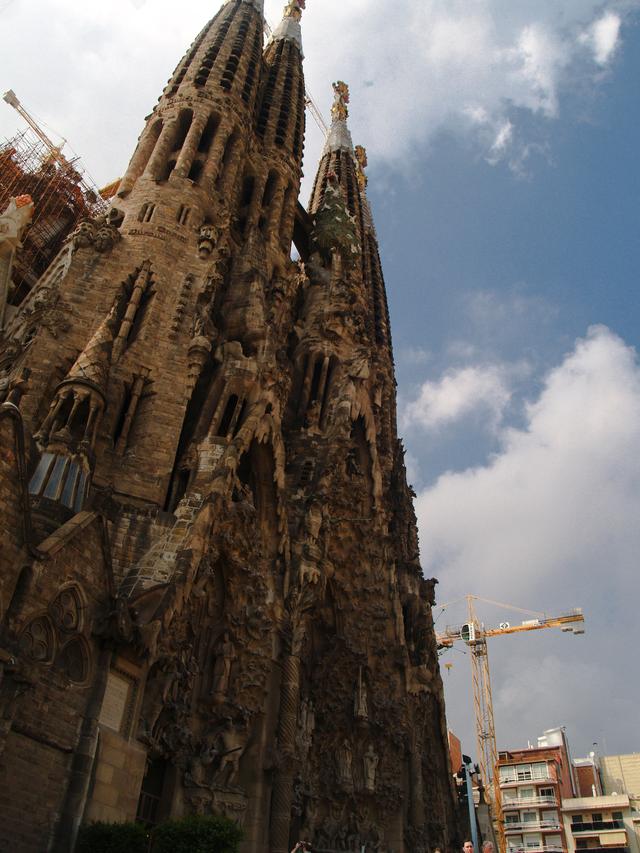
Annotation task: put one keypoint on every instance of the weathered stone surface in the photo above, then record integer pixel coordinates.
(211, 598)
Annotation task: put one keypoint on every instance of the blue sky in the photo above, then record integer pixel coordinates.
(503, 145)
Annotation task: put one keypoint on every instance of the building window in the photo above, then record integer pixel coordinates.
(149, 804)
(146, 212)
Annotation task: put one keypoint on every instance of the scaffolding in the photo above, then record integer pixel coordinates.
(61, 195)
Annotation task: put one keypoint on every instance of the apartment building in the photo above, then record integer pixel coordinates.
(601, 824)
(533, 783)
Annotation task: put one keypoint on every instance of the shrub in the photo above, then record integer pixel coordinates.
(102, 837)
(197, 834)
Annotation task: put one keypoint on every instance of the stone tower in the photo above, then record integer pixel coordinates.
(211, 599)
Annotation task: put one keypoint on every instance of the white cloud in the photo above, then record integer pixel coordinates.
(549, 522)
(606, 34)
(504, 136)
(458, 393)
(414, 69)
(603, 37)
(414, 355)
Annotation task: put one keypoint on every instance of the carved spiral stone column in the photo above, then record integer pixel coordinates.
(283, 785)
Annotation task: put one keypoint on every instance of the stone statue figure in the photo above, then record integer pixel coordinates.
(225, 656)
(313, 522)
(234, 741)
(196, 774)
(13, 222)
(370, 762)
(360, 705)
(158, 693)
(306, 726)
(344, 757)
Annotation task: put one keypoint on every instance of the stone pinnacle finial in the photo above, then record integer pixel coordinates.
(361, 164)
(294, 8)
(339, 110)
(339, 138)
(289, 27)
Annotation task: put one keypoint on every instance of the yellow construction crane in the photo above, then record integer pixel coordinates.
(475, 635)
(55, 150)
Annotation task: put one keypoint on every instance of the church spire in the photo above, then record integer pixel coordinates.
(338, 158)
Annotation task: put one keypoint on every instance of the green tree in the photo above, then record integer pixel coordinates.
(100, 837)
(196, 834)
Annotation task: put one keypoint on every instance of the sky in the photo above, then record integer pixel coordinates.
(503, 140)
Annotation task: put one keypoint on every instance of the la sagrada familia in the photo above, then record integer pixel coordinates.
(211, 600)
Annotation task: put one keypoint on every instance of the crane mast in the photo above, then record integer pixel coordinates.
(485, 725)
(475, 635)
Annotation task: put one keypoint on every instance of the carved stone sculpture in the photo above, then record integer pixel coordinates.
(344, 760)
(360, 703)
(370, 763)
(225, 655)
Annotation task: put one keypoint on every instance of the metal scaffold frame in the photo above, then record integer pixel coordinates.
(61, 195)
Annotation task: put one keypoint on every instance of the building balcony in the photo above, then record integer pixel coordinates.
(526, 777)
(518, 802)
(596, 826)
(539, 848)
(617, 849)
(529, 825)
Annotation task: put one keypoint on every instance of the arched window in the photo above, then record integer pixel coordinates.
(227, 417)
(66, 609)
(37, 641)
(73, 660)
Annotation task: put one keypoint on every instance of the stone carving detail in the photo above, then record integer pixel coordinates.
(344, 765)
(370, 762)
(102, 233)
(306, 726)
(181, 304)
(360, 706)
(225, 654)
(206, 240)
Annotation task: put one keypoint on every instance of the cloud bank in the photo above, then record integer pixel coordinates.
(551, 521)
(458, 393)
(422, 67)
(415, 68)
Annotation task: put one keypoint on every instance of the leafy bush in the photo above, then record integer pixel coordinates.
(196, 835)
(102, 837)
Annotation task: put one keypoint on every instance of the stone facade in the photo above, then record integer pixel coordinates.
(211, 596)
